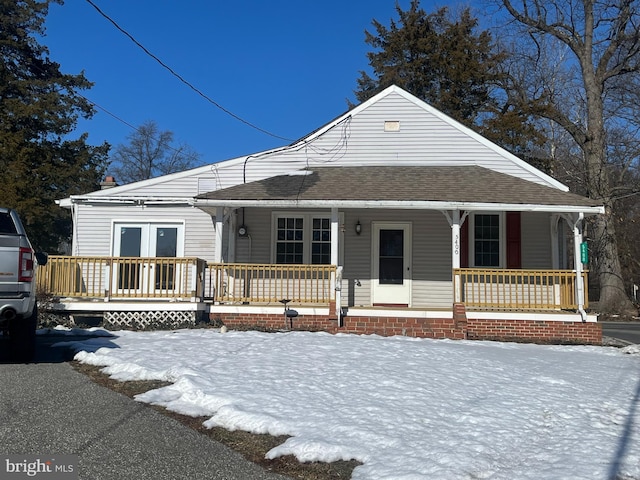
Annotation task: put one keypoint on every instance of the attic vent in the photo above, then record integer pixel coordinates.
(206, 185)
(392, 126)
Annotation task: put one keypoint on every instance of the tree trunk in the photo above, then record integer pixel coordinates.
(613, 298)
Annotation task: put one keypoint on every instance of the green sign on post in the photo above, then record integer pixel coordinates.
(584, 253)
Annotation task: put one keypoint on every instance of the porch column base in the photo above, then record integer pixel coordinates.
(332, 309)
(460, 317)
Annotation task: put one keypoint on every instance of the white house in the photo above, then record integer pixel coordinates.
(392, 219)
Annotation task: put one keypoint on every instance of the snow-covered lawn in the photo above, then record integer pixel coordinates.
(406, 408)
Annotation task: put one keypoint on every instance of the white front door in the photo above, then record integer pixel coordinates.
(146, 240)
(391, 283)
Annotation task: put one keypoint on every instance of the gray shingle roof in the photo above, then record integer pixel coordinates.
(470, 184)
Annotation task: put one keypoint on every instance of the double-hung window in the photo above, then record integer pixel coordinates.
(302, 238)
(290, 240)
(320, 241)
(487, 240)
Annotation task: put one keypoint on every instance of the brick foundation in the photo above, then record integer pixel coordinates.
(458, 327)
(385, 326)
(266, 321)
(535, 331)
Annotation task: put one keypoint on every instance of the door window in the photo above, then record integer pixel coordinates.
(147, 240)
(129, 273)
(166, 246)
(391, 263)
(391, 257)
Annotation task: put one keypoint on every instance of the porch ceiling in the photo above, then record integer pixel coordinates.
(445, 187)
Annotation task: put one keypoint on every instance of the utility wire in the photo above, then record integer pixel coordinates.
(179, 77)
(121, 120)
(111, 114)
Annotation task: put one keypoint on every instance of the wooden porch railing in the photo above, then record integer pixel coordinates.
(123, 277)
(517, 289)
(265, 283)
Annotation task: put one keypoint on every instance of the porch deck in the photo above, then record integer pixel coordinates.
(176, 280)
(517, 290)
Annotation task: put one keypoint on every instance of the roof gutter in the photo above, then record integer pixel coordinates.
(124, 200)
(400, 204)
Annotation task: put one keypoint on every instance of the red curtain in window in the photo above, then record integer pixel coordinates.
(514, 240)
(464, 243)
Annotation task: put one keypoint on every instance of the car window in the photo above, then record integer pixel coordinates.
(6, 224)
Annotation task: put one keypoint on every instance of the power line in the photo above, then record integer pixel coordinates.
(137, 129)
(111, 114)
(179, 77)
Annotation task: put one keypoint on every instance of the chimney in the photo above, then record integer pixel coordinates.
(109, 182)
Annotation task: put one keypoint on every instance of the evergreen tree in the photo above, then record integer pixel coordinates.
(447, 62)
(39, 108)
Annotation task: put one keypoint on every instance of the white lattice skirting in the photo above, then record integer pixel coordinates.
(152, 320)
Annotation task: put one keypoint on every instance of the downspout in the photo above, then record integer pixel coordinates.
(338, 289)
(74, 228)
(219, 226)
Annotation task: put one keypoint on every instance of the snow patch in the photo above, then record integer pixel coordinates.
(406, 408)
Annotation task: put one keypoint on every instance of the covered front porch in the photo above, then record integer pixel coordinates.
(147, 290)
(477, 254)
(175, 280)
(455, 245)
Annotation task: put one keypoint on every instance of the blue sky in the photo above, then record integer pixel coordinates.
(286, 66)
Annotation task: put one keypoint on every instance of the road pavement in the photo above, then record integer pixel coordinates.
(47, 408)
(626, 331)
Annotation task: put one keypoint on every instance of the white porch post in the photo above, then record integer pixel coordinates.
(334, 236)
(455, 220)
(217, 255)
(337, 280)
(577, 241)
(555, 247)
(455, 254)
(455, 239)
(231, 235)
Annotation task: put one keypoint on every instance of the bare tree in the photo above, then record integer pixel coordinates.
(597, 48)
(150, 154)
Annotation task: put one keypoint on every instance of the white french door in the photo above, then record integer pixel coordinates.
(391, 247)
(149, 240)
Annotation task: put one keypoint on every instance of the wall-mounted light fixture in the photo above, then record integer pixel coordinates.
(358, 228)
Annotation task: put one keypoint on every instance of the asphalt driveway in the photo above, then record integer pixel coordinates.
(48, 408)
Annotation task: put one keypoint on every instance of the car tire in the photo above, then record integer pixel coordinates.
(22, 338)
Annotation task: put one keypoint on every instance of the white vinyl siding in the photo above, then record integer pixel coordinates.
(431, 257)
(536, 240)
(424, 139)
(256, 246)
(95, 223)
(432, 285)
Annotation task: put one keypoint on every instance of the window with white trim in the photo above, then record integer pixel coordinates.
(321, 241)
(302, 238)
(487, 240)
(290, 240)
